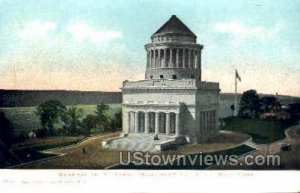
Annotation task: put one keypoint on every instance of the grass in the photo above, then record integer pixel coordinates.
(96, 157)
(261, 131)
(24, 119)
(24, 155)
(48, 142)
(28, 150)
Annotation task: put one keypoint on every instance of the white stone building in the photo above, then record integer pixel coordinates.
(172, 102)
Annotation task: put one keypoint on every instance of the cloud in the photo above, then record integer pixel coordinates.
(81, 32)
(242, 32)
(36, 29)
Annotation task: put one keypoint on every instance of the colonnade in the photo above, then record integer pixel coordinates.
(154, 122)
(174, 58)
(208, 121)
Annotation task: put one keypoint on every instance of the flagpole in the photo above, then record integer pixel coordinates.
(235, 97)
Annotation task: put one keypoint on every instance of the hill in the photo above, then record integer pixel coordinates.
(28, 98)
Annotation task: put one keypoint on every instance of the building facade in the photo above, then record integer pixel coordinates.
(172, 102)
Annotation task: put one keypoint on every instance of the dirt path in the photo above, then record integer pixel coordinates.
(292, 137)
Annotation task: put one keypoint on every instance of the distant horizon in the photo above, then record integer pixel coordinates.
(96, 45)
(239, 93)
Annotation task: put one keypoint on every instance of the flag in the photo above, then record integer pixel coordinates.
(237, 76)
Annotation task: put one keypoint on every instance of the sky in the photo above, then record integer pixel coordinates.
(95, 45)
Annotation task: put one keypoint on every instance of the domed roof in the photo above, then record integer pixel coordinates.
(174, 26)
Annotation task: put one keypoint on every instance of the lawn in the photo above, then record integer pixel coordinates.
(96, 157)
(29, 150)
(24, 119)
(47, 142)
(261, 131)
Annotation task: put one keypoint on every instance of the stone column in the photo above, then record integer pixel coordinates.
(171, 58)
(177, 124)
(168, 124)
(164, 59)
(201, 122)
(148, 55)
(155, 58)
(183, 58)
(156, 130)
(136, 122)
(190, 58)
(206, 122)
(187, 58)
(131, 122)
(199, 59)
(177, 58)
(146, 122)
(195, 59)
(159, 59)
(211, 118)
(128, 122)
(150, 59)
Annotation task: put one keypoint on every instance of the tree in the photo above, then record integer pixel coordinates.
(250, 104)
(116, 122)
(269, 103)
(88, 123)
(6, 130)
(232, 107)
(103, 119)
(50, 112)
(71, 119)
(294, 110)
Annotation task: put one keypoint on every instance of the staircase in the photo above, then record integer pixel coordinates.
(139, 142)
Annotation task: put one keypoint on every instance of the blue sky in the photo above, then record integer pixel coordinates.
(96, 44)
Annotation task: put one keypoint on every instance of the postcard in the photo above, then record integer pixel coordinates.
(149, 96)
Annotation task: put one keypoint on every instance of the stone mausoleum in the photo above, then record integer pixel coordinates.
(172, 105)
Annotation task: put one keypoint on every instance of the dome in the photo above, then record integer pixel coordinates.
(174, 27)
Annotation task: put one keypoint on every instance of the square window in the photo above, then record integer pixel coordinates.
(161, 76)
(174, 76)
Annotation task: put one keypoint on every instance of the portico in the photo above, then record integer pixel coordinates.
(156, 122)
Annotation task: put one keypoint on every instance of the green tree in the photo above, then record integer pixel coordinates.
(50, 112)
(88, 123)
(116, 122)
(71, 119)
(268, 103)
(294, 110)
(103, 119)
(6, 130)
(250, 104)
